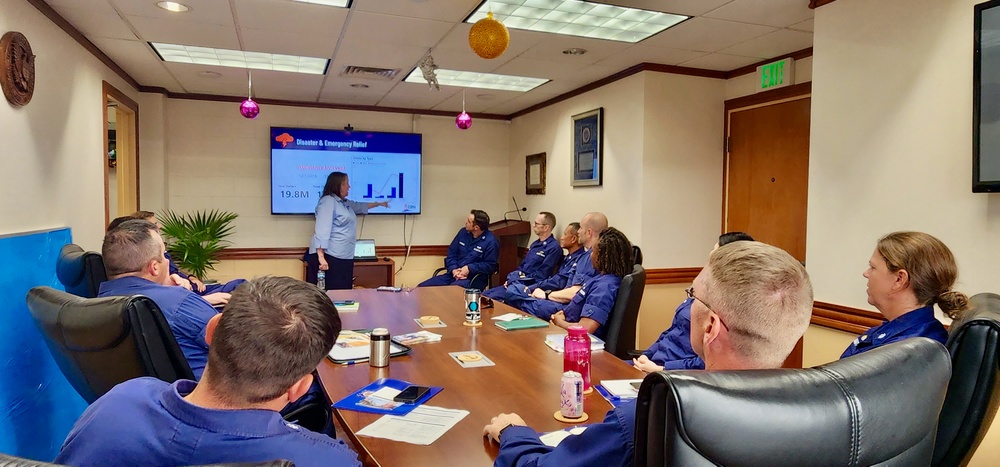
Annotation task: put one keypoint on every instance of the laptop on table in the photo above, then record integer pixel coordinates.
(364, 250)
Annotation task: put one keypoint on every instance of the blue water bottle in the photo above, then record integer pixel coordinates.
(321, 280)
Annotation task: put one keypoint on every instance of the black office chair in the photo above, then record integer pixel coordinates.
(636, 254)
(100, 342)
(81, 272)
(620, 339)
(973, 393)
(480, 281)
(7, 460)
(876, 408)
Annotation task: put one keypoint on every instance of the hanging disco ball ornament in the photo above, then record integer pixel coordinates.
(463, 121)
(488, 37)
(249, 108)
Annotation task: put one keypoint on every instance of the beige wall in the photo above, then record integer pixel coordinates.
(214, 158)
(53, 148)
(746, 85)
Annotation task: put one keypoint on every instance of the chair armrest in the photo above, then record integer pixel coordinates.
(439, 271)
(634, 353)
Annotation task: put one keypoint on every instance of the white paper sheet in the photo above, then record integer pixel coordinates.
(621, 387)
(423, 426)
(554, 438)
(508, 317)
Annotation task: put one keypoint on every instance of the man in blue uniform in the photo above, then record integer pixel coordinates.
(135, 262)
(672, 350)
(517, 293)
(472, 255)
(231, 415)
(751, 304)
(549, 301)
(540, 260)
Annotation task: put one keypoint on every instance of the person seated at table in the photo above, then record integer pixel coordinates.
(549, 301)
(472, 255)
(136, 263)
(752, 303)
(273, 334)
(592, 305)
(540, 260)
(517, 292)
(907, 274)
(196, 284)
(672, 350)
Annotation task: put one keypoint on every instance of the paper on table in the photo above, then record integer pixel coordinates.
(554, 438)
(423, 426)
(508, 317)
(621, 387)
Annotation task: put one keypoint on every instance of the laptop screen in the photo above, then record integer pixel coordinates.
(364, 248)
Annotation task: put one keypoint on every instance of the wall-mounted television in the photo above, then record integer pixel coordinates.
(986, 99)
(380, 166)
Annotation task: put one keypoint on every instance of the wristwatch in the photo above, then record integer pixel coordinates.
(547, 292)
(500, 433)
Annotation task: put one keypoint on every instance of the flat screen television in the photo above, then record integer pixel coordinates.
(986, 99)
(381, 167)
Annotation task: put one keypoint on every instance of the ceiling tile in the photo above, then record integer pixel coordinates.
(520, 40)
(720, 62)
(376, 55)
(416, 95)
(97, 22)
(589, 74)
(138, 61)
(303, 45)
(185, 33)
(350, 99)
(474, 103)
(387, 29)
(707, 35)
(291, 17)
(640, 53)
(779, 13)
(442, 10)
(534, 68)
(680, 7)
(467, 60)
(340, 86)
(806, 25)
(552, 48)
(774, 44)
(202, 11)
(231, 80)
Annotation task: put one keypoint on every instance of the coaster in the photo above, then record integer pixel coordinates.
(429, 319)
(471, 359)
(559, 416)
(471, 325)
(429, 324)
(589, 390)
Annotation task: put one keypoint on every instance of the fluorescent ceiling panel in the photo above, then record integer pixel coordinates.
(578, 18)
(340, 3)
(240, 59)
(471, 79)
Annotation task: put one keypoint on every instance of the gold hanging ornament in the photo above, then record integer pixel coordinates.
(488, 37)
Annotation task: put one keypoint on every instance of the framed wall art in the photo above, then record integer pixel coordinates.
(588, 148)
(534, 174)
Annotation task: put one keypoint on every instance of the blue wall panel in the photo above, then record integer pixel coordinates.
(37, 405)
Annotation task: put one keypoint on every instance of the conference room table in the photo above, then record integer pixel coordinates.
(525, 380)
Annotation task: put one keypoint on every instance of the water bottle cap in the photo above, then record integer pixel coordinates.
(577, 330)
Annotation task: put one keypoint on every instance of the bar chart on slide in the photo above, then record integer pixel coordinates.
(387, 190)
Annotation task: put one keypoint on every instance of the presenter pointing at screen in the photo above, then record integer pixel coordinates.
(332, 246)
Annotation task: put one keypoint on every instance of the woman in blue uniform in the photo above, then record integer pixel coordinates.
(908, 274)
(592, 305)
(332, 246)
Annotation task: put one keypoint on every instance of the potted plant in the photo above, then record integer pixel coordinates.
(195, 239)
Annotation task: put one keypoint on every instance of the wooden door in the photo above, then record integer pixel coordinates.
(768, 174)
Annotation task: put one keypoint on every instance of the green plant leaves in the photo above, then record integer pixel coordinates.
(195, 239)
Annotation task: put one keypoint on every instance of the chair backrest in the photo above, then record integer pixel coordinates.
(876, 408)
(100, 342)
(636, 254)
(620, 338)
(81, 272)
(973, 393)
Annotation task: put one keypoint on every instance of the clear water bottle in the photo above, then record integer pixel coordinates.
(576, 353)
(321, 280)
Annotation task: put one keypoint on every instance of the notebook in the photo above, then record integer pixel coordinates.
(364, 250)
(524, 322)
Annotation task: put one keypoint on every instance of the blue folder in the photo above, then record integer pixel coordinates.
(356, 401)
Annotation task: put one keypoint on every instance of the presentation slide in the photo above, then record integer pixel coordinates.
(381, 167)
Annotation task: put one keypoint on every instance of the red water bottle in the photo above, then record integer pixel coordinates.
(576, 353)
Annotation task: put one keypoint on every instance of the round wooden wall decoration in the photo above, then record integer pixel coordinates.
(17, 77)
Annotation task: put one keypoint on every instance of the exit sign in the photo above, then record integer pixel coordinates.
(775, 74)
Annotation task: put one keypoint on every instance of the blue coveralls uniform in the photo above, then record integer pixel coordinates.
(538, 264)
(336, 233)
(672, 350)
(594, 300)
(228, 287)
(917, 323)
(609, 443)
(517, 294)
(186, 313)
(146, 421)
(545, 308)
(479, 254)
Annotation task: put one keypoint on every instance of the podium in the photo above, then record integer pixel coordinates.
(509, 233)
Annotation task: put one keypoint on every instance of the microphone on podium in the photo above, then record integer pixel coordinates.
(517, 210)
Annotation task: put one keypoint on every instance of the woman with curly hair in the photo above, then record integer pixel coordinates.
(592, 304)
(907, 274)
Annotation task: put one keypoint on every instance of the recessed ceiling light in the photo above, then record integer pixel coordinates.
(209, 74)
(173, 6)
(471, 79)
(575, 51)
(486, 97)
(340, 3)
(239, 59)
(578, 18)
(359, 86)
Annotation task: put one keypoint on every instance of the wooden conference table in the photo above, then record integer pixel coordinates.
(525, 380)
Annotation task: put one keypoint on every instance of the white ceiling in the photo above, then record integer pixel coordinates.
(721, 35)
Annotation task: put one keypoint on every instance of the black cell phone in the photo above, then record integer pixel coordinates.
(636, 385)
(411, 394)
